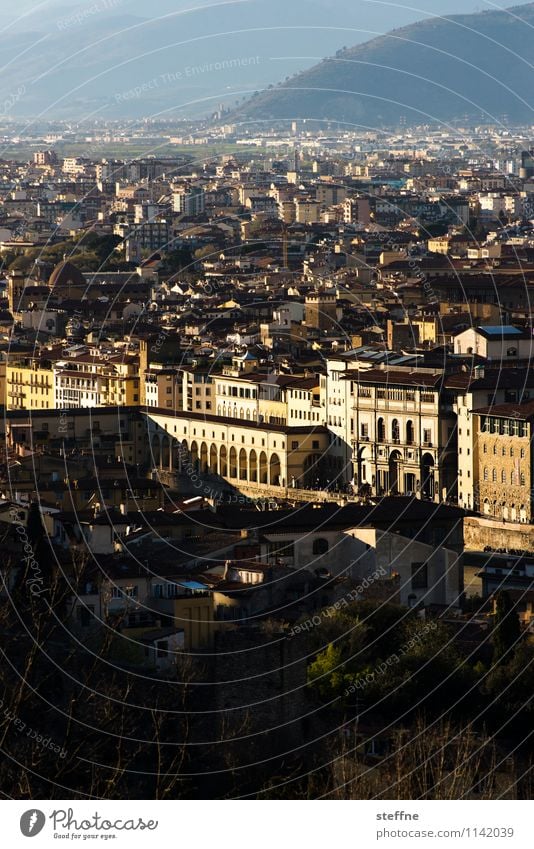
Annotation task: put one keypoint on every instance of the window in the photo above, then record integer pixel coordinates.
(281, 548)
(503, 476)
(294, 445)
(486, 475)
(380, 430)
(315, 444)
(320, 546)
(419, 576)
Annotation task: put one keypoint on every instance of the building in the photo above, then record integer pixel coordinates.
(503, 461)
(403, 433)
(29, 384)
(321, 310)
(307, 211)
(189, 200)
(97, 379)
(251, 456)
(500, 342)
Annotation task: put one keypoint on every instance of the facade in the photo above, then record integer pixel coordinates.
(503, 461)
(247, 454)
(29, 385)
(403, 433)
(321, 310)
(90, 381)
(189, 200)
(482, 388)
(500, 342)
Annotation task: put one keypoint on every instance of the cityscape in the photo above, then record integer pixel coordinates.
(267, 455)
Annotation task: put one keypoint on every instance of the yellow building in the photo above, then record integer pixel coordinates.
(97, 380)
(29, 385)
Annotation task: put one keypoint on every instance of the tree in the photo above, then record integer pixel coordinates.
(506, 629)
(326, 671)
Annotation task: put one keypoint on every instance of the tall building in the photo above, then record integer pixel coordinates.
(190, 200)
(321, 310)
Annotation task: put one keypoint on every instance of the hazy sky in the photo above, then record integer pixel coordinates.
(391, 13)
(90, 56)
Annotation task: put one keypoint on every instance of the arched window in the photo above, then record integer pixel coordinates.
(494, 475)
(409, 432)
(523, 479)
(395, 431)
(320, 546)
(486, 477)
(503, 476)
(380, 430)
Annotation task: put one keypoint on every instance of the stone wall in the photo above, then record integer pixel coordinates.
(480, 533)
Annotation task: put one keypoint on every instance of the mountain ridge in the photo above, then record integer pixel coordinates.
(438, 69)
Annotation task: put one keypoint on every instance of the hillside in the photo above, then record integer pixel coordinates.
(130, 59)
(476, 65)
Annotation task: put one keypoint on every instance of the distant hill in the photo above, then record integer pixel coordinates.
(476, 65)
(133, 58)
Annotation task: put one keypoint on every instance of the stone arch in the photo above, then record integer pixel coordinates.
(253, 463)
(166, 452)
(394, 466)
(194, 456)
(243, 465)
(275, 470)
(203, 458)
(223, 462)
(182, 454)
(213, 460)
(233, 462)
(427, 476)
(264, 473)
